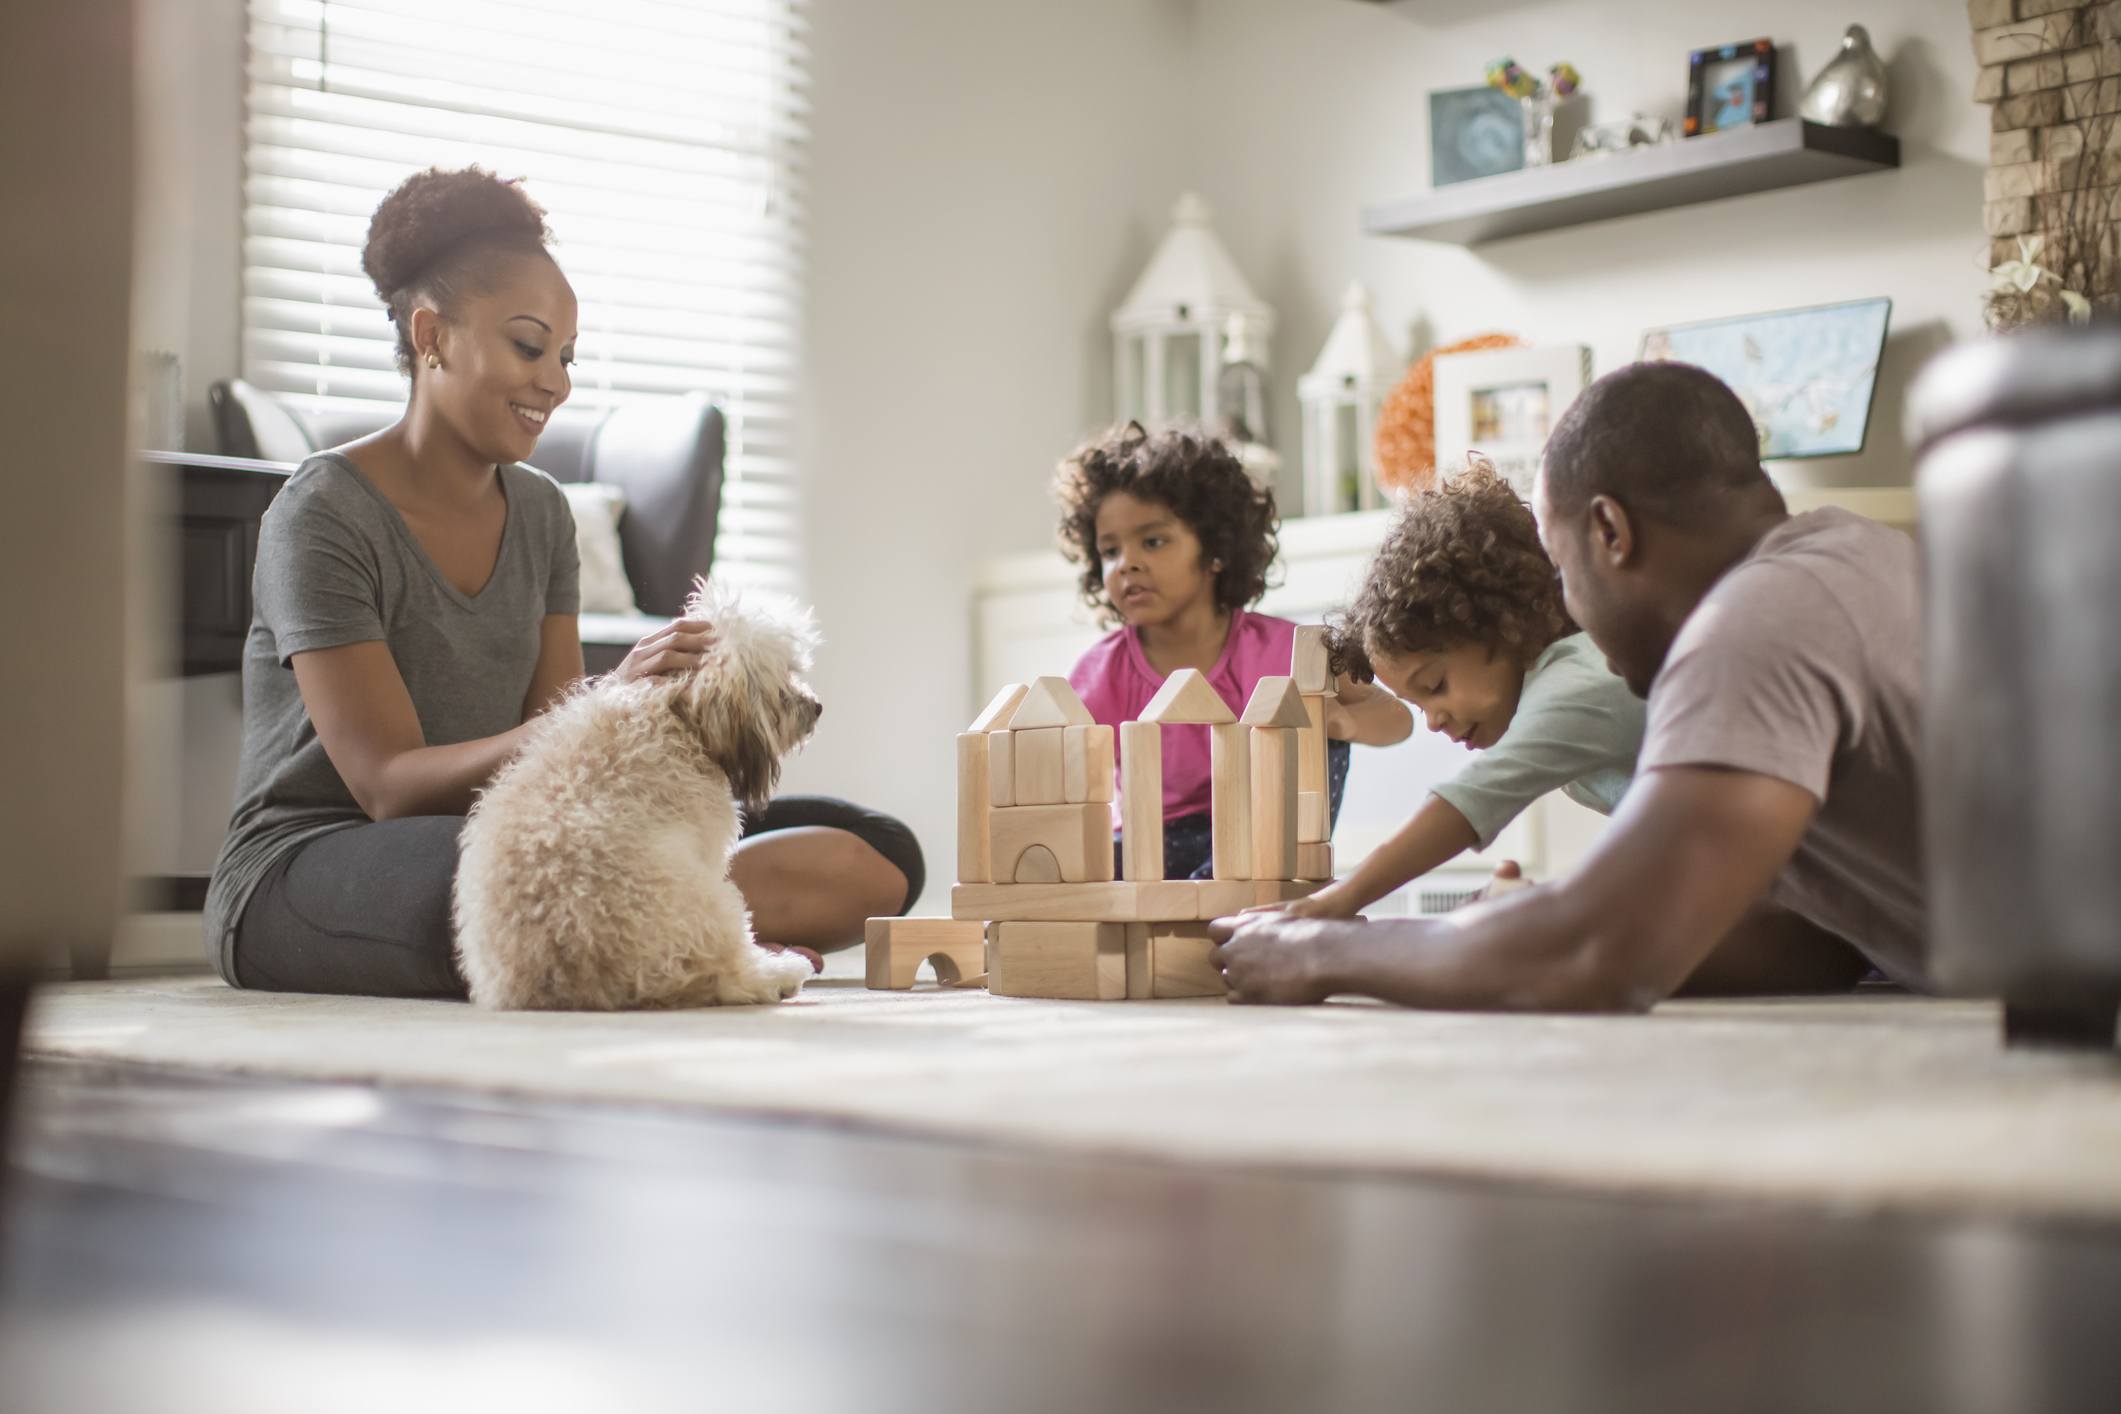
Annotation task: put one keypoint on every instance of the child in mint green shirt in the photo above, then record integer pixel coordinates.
(1460, 615)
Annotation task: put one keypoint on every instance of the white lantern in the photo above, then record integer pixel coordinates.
(1341, 396)
(1167, 335)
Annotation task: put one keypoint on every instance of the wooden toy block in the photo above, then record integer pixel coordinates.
(1186, 697)
(1218, 898)
(1314, 861)
(974, 865)
(1284, 890)
(1308, 662)
(995, 716)
(1036, 865)
(1175, 901)
(1001, 768)
(1078, 838)
(1141, 800)
(1140, 970)
(1087, 764)
(1311, 746)
(1313, 819)
(1040, 765)
(1174, 958)
(1273, 803)
(1066, 961)
(1230, 768)
(1275, 702)
(895, 948)
(1050, 702)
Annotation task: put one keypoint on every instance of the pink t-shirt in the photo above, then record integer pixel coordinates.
(1115, 681)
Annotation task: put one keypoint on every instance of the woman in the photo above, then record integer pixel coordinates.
(415, 602)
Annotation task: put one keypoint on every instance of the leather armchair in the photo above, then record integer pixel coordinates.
(2020, 493)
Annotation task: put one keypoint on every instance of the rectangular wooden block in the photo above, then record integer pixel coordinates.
(1179, 963)
(1174, 900)
(1140, 976)
(1219, 898)
(1283, 890)
(1041, 766)
(1230, 769)
(1311, 746)
(1086, 763)
(1314, 824)
(1141, 800)
(895, 948)
(1001, 769)
(1308, 661)
(1079, 838)
(974, 866)
(1274, 816)
(1314, 861)
(1065, 961)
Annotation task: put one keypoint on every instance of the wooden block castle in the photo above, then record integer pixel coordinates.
(1035, 866)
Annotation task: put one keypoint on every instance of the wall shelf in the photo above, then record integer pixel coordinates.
(1788, 152)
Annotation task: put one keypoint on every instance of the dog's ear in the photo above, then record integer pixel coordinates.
(736, 728)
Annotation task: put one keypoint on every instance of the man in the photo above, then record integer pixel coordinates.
(1778, 656)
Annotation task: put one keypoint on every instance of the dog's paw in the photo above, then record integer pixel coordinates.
(784, 974)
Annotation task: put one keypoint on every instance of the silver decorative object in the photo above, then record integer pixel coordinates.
(1850, 91)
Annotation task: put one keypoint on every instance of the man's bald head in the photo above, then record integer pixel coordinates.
(1666, 440)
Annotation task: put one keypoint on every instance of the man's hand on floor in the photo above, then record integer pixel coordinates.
(1275, 959)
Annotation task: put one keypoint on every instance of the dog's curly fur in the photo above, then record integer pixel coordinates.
(594, 871)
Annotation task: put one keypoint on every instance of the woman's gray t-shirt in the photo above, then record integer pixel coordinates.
(338, 565)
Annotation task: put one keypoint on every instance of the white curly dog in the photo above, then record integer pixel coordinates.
(593, 872)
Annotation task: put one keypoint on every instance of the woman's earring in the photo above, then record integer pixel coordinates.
(434, 360)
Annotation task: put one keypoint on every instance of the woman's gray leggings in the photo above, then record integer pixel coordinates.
(364, 911)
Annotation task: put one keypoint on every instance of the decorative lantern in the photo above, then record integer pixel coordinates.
(1340, 396)
(1167, 335)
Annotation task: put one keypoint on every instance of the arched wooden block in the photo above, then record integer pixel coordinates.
(895, 948)
(1036, 865)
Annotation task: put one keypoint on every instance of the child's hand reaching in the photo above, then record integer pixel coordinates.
(1332, 901)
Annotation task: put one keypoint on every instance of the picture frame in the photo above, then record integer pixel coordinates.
(1473, 133)
(1504, 404)
(1808, 377)
(1730, 87)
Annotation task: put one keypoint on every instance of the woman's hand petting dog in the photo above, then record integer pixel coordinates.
(671, 649)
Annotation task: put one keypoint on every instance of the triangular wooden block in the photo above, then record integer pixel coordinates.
(1186, 698)
(1051, 703)
(1276, 703)
(998, 712)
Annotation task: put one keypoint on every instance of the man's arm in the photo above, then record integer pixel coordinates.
(1689, 851)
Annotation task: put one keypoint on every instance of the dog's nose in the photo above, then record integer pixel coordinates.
(817, 710)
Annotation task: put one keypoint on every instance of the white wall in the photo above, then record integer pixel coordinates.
(1322, 108)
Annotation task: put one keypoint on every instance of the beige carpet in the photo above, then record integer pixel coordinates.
(1869, 1102)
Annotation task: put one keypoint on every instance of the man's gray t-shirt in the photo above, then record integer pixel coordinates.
(338, 565)
(1803, 663)
(1576, 730)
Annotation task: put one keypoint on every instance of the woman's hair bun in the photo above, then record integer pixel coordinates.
(435, 211)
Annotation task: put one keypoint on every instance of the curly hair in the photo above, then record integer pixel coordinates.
(1461, 563)
(1198, 478)
(435, 235)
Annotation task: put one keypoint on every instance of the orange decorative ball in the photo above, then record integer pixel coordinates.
(1406, 424)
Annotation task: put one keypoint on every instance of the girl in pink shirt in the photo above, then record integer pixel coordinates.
(1175, 540)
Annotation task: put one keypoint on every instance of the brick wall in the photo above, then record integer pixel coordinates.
(2051, 73)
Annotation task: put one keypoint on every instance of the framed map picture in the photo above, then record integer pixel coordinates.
(1806, 375)
(1503, 404)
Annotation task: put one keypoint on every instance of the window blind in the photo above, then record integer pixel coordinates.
(665, 140)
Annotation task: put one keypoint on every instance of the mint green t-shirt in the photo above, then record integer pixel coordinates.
(1576, 730)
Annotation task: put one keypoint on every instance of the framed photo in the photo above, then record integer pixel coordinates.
(1503, 404)
(1731, 87)
(1474, 132)
(1806, 375)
